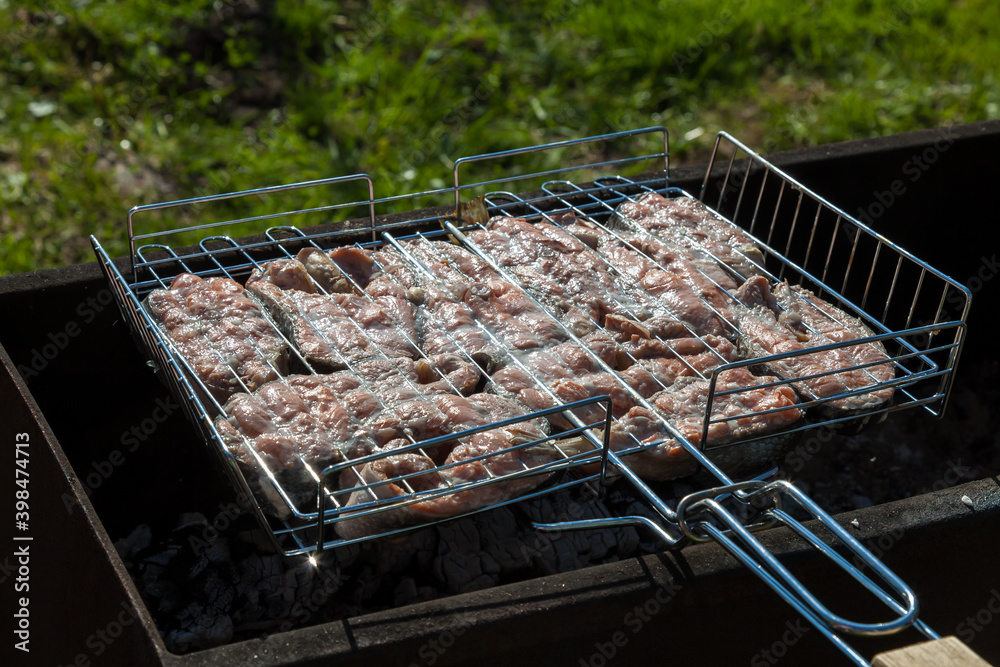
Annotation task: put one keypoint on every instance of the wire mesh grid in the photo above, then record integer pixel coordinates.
(811, 242)
(301, 526)
(790, 224)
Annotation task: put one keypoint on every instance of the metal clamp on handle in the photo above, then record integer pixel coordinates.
(674, 539)
(609, 457)
(696, 511)
(611, 522)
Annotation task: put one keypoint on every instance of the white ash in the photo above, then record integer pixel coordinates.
(207, 587)
(570, 550)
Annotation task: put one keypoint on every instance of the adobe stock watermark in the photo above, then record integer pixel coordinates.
(787, 130)
(102, 470)
(302, 611)
(976, 623)
(122, 119)
(879, 546)
(560, 13)
(33, 23)
(104, 636)
(913, 169)
(795, 125)
(323, 581)
(56, 341)
(794, 631)
(544, 541)
(955, 474)
(228, 513)
(433, 649)
(955, 300)
(901, 13)
(255, 142)
(635, 620)
(804, 452)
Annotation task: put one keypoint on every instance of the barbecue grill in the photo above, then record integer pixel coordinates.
(805, 240)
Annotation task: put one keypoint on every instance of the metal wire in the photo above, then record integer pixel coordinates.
(923, 338)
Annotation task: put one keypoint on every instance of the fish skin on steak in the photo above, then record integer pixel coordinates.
(825, 319)
(666, 360)
(221, 333)
(326, 273)
(630, 287)
(799, 318)
(570, 373)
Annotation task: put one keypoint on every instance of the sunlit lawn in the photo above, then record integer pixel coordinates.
(107, 105)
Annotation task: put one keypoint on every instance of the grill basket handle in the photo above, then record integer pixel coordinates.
(696, 511)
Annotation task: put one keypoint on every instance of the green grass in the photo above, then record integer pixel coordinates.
(107, 105)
